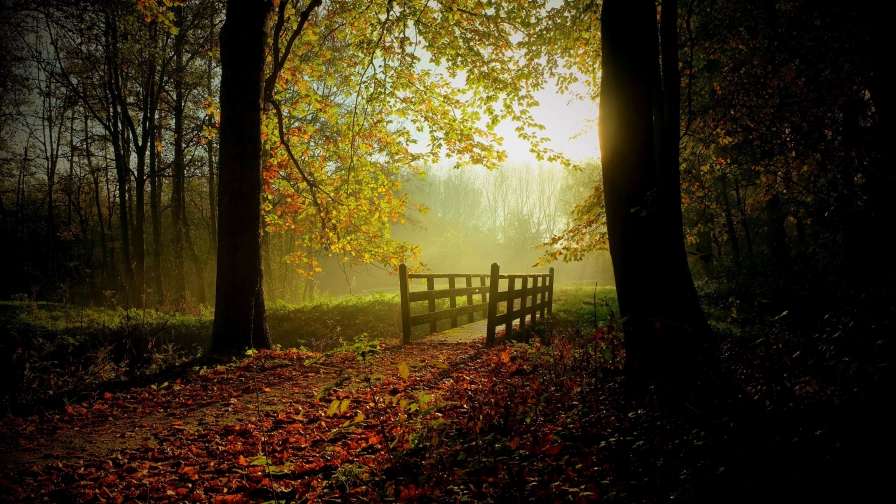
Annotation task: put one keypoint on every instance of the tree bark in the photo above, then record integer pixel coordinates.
(729, 223)
(665, 329)
(155, 217)
(240, 319)
(178, 176)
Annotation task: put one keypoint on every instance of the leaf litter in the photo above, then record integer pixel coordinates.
(423, 422)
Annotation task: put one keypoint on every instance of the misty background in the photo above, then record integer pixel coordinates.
(475, 217)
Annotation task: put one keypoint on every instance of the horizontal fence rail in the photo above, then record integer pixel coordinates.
(535, 296)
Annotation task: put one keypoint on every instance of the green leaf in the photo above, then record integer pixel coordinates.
(334, 407)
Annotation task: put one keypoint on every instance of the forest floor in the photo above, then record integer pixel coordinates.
(459, 422)
(375, 423)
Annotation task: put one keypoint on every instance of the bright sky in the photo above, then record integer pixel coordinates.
(561, 118)
(562, 121)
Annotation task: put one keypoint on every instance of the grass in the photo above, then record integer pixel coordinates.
(51, 349)
(583, 305)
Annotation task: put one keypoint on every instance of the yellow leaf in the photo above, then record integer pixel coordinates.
(404, 370)
(334, 407)
(344, 405)
(440, 364)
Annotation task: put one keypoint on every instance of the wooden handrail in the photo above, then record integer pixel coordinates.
(536, 299)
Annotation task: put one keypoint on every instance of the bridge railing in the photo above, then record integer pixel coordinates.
(532, 297)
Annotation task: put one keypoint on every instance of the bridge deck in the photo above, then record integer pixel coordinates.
(463, 334)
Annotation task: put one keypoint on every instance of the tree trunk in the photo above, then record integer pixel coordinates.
(121, 172)
(742, 213)
(212, 185)
(198, 266)
(178, 176)
(240, 310)
(665, 329)
(776, 218)
(155, 217)
(729, 223)
(139, 240)
(94, 174)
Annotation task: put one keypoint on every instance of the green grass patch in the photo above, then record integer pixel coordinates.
(582, 305)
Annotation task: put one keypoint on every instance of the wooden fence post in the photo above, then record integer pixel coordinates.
(551, 292)
(469, 282)
(431, 286)
(544, 294)
(492, 304)
(452, 301)
(508, 329)
(523, 300)
(534, 298)
(405, 304)
(483, 297)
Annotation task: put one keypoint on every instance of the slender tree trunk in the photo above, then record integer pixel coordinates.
(155, 217)
(198, 267)
(94, 175)
(729, 223)
(178, 175)
(742, 214)
(776, 218)
(139, 240)
(122, 170)
(240, 319)
(665, 329)
(212, 185)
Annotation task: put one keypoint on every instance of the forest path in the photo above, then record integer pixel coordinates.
(212, 403)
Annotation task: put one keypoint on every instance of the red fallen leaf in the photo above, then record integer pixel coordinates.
(513, 443)
(182, 491)
(107, 396)
(505, 356)
(408, 493)
(613, 421)
(108, 479)
(242, 461)
(231, 498)
(266, 389)
(187, 470)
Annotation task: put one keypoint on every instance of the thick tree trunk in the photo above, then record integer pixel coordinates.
(665, 329)
(240, 310)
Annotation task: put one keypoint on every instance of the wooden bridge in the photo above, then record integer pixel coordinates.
(514, 303)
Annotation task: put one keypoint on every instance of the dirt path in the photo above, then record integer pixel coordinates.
(215, 399)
